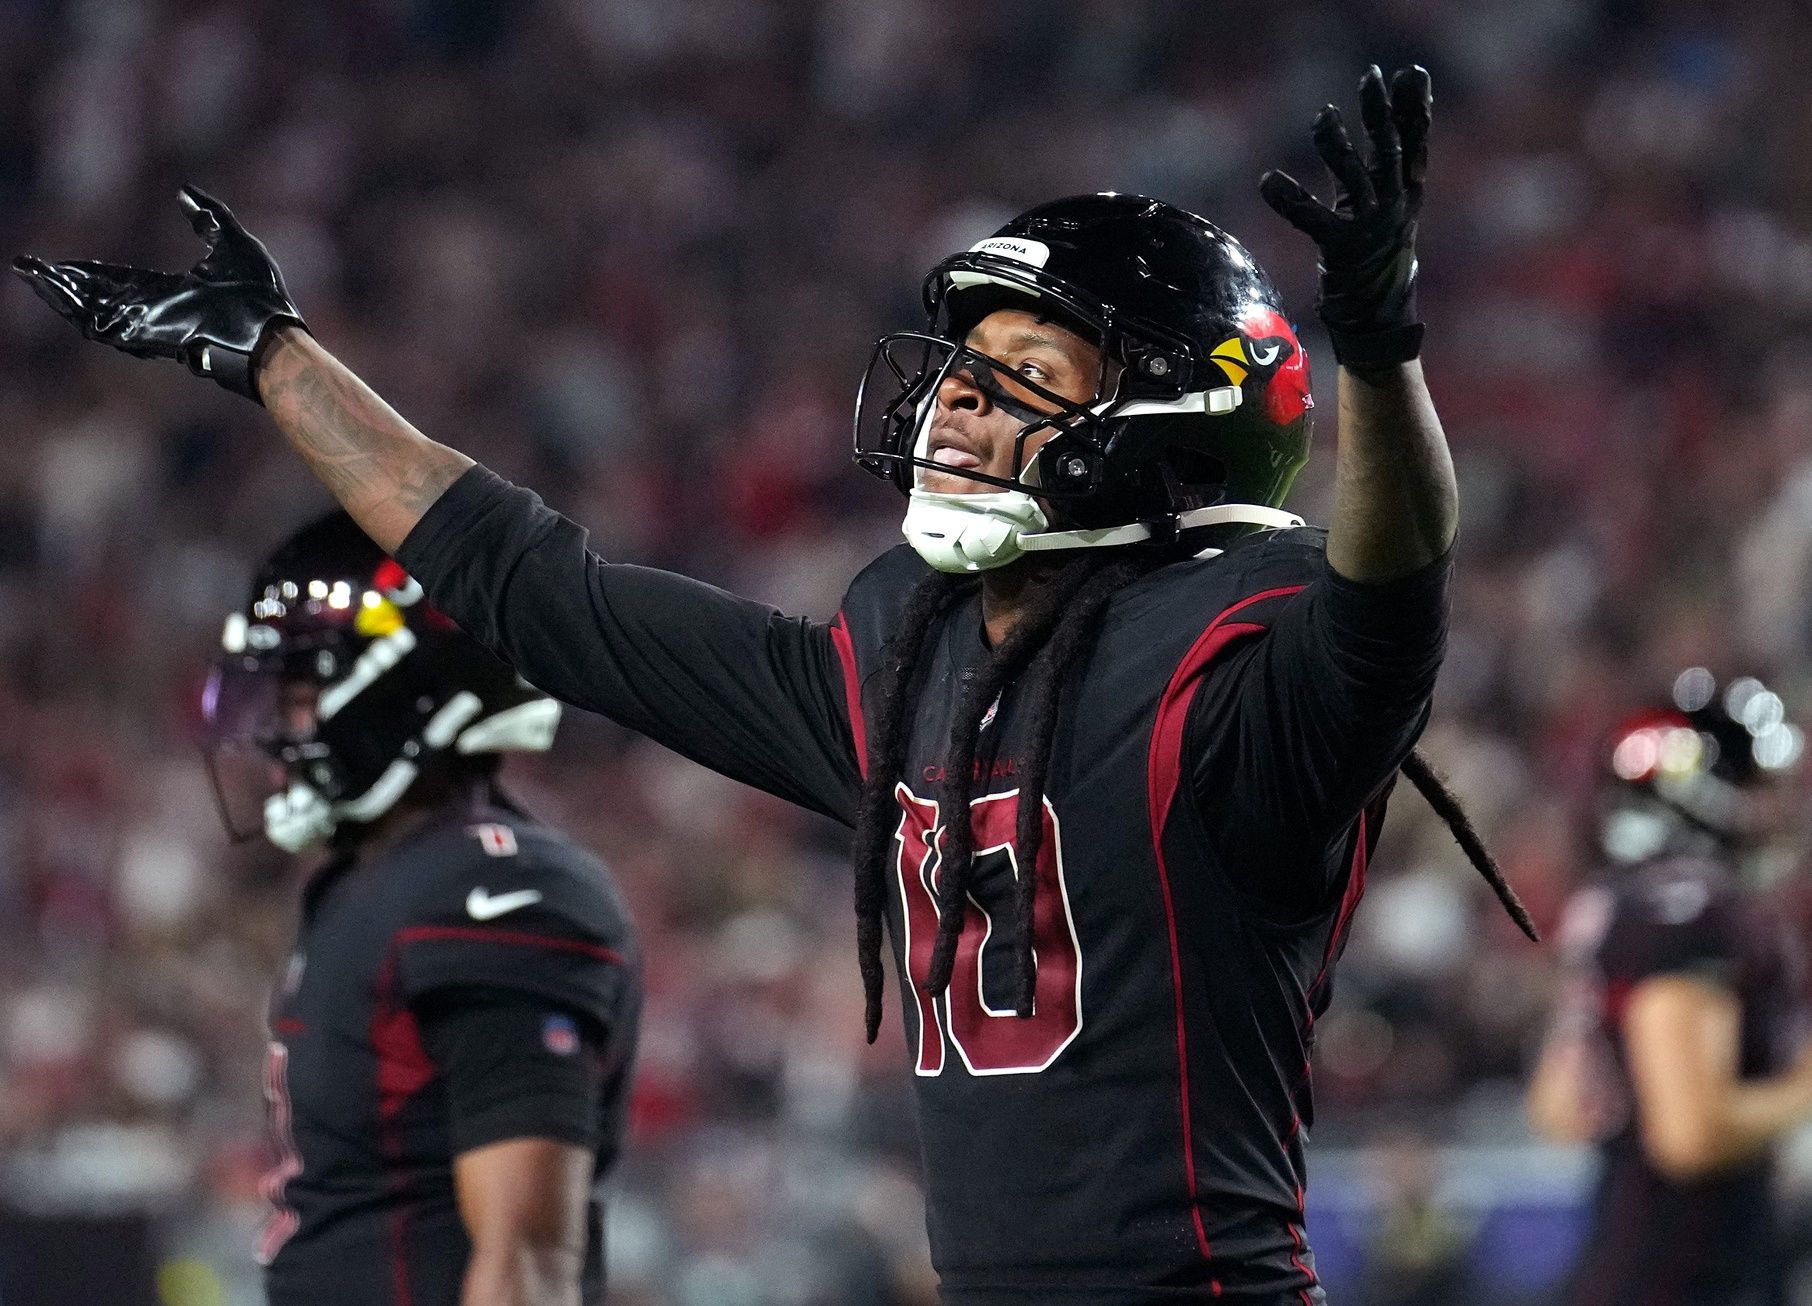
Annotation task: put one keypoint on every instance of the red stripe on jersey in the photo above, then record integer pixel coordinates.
(1296, 1238)
(510, 938)
(1349, 903)
(852, 690)
(1164, 771)
(403, 1070)
(403, 1067)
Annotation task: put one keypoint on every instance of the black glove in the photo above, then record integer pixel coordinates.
(1368, 238)
(213, 317)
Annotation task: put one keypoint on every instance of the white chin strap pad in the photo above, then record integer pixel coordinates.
(297, 818)
(971, 532)
(978, 532)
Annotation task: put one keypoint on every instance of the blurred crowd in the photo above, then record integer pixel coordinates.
(634, 253)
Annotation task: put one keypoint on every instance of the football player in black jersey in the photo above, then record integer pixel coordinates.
(1677, 1046)
(1164, 714)
(451, 1043)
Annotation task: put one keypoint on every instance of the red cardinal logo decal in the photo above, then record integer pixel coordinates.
(1272, 346)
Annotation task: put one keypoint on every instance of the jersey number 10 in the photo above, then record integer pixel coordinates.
(990, 1040)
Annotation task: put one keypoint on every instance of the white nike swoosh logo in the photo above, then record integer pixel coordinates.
(481, 906)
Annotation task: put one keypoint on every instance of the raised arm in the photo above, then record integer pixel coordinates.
(1395, 504)
(725, 681)
(230, 318)
(1305, 728)
(1396, 507)
(381, 469)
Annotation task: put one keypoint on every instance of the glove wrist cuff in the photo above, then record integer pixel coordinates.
(1377, 349)
(226, 367)
(236, 369)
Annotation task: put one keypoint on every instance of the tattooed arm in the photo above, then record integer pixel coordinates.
(381, 469)
(230, 318)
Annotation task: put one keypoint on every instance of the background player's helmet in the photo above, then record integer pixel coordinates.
(397, 685)
(1203, 401)
(1685, 766)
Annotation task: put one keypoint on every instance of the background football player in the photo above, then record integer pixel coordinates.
(452, 1040)
(1676, 1046)
(1171, 768)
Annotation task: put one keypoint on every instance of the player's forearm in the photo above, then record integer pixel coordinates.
(1556, 1101)
(1396, 505)
(1752, 1115)
(1709, 1120)
(381, 469)
(521, 1274)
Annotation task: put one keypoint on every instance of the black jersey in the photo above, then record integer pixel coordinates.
(1656, 1239)
(1216, 786)
(363, 1198)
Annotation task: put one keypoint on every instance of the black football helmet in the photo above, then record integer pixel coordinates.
(1681, 769)
(394, 685)
(1203, 397)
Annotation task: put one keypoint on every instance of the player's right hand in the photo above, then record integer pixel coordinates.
(213, 317)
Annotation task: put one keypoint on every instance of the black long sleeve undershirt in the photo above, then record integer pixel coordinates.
(1300, 730)
(725, 681)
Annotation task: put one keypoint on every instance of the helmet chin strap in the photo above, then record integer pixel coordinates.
(971, 532)
(966, 533)
(979, 532)
(1220, 514)
(300, 816)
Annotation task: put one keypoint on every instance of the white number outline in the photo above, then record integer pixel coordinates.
(928, 867)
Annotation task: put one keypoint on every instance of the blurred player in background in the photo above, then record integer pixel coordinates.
(452, 1040)
(1170, 719)
(1677, 1046)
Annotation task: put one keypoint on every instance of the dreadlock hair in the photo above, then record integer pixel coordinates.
(1052, 636)
(1446, 805)
(904, 673)
(1058, 626)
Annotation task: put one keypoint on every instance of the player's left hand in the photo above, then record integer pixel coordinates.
(1367, 238)
(212, 317)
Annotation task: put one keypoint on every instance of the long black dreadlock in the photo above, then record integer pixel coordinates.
(1446, 805)
(1057, 629)
(1057, 626)
(903, 677)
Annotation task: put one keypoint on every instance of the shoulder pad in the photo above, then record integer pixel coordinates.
(512, 872)
(512, 905)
